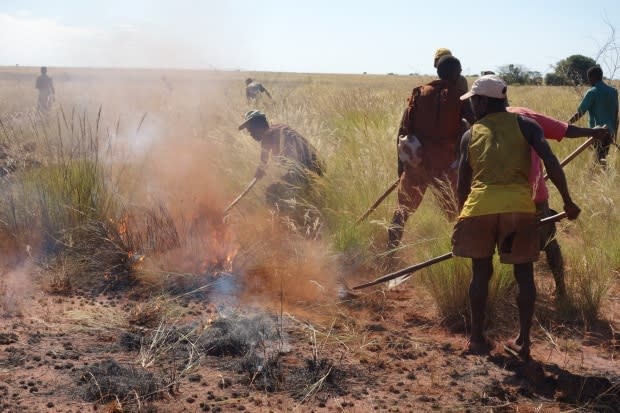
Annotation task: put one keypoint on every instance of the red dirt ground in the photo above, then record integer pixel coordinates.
(382, 351)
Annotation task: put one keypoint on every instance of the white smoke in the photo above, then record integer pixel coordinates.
(16, 286)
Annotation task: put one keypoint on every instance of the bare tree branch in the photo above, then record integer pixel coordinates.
(608, 54)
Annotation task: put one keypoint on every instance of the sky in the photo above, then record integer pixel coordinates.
(325, 36)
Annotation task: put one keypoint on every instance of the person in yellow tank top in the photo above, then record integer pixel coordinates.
(496, 206)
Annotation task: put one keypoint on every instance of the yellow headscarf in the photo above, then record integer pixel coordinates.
(441, 52)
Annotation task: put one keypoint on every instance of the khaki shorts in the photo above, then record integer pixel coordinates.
(514, 234)
(414, 183)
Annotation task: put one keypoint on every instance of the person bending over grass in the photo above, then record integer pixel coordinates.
(292, 152)
(253, 89)
(496, 206)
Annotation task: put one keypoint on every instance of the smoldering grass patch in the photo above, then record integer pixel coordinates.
(237, 335)
(252, 347)
(317, 375)
(131, 340)
(302, 379)
(234, 337)
(263, 372)
(109, 380)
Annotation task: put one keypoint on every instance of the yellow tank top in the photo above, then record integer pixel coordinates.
(500, 160)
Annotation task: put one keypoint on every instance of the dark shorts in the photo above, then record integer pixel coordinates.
(293, 184)
(514, 234)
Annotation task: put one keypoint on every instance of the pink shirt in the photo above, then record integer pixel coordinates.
(553, 129)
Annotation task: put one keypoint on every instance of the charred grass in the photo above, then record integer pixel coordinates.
(110, 381)
(253, 347)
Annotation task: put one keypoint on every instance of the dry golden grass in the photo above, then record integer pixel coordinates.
(170, 138)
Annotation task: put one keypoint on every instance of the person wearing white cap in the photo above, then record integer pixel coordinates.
(496, 206)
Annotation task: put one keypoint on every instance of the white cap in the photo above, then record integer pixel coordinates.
(489, 85)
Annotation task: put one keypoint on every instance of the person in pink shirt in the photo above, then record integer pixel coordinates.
(557, 130)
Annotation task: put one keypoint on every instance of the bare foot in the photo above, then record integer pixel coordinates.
(518, 348)
(479, 347)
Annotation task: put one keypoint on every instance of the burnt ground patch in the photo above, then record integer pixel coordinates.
(304, 379)
(109, 380)
(8, 338)
(252, 347)
(319, 375)
(16, 357)
(236, 336)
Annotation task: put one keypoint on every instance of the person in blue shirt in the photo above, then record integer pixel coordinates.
(601, 103)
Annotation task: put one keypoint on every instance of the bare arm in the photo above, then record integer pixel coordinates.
(576, 132)
(584, 106)
(262, 89)
(575, 117)
(535, 137)
(467, 112)
(463, 185)
(264, 155)
(264, 158)
(403, 130)
(617, 123)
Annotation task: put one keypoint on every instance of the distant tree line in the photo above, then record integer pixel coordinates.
(518, 74)
(570, 71)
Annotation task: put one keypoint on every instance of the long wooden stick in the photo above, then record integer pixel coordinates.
(574, 153)
(378, 201)
(405, 273)
(241, 195)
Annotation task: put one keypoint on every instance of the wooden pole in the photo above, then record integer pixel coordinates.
(405, 273)
(574, 153)
(378, 201)
(241, 195)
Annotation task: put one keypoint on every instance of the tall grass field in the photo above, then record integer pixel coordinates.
(128, 164)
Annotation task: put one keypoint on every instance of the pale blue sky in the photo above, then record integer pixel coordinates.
(317, 36)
